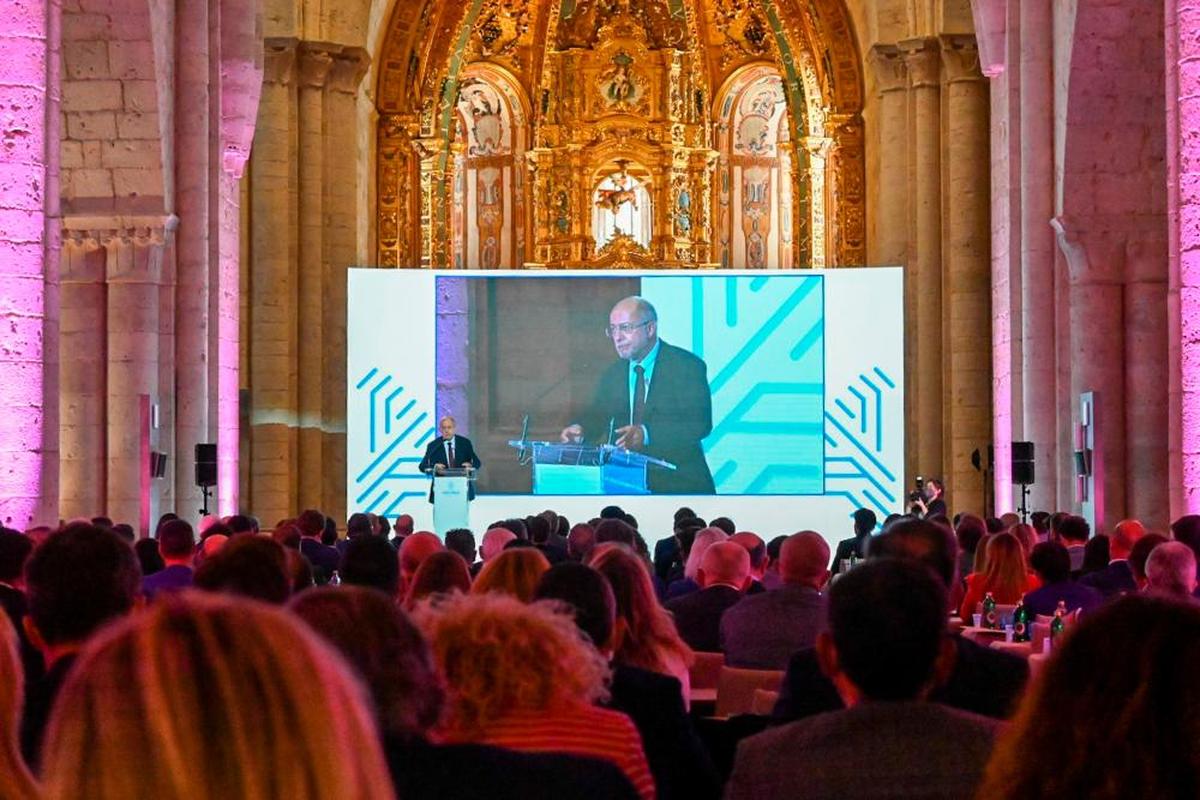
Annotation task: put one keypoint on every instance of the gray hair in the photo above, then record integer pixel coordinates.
(645, 309)
(1171, 569)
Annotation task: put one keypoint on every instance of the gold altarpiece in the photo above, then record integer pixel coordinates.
(738, 120)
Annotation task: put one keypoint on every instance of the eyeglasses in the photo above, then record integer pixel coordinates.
(625, 327)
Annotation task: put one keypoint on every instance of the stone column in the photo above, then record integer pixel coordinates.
(1095, 254)
(1038, 406)
(966, 284)
(816, 150)
(923, 306)
(888, 218)
(1183, 163)
(83, 363)
(193, 171)
(1146, 380)
(28, 246)
(846, 179)
(273, 290)
(135, 268)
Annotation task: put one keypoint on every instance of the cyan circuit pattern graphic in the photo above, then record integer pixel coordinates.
(397, 432)
(856, 456)
(763, 339)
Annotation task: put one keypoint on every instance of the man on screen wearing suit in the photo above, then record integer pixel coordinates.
(658, 399)
(450, 452)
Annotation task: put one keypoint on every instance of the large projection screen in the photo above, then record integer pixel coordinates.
(794, 377)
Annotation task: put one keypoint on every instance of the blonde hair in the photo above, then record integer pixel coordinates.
(499, 655)
(651, 638)
(1005, 573)
(514, 572)
(218, 697)
(16, 783)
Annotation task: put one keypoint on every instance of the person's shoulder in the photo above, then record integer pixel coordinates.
(669, 353)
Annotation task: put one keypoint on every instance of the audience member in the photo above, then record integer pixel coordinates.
(771, 579)
(1186, 529)
(580, 542)
(1140, 553)
(984, 681)
(704, 539)
(324, 559)
(885, 651)
(616, 530)
(1074, 532)
(241, 524)
(757, 549)
(287, 533)
(415, 548)
(494, 541)
(1171, 570)
(1095, 555)
(359, 526)
(213, 730)
(970, 532)
(1005, 575)
(79, 579)
(725, 524)
(764, 630)
(1052, 564)
(149, 559)
(646, 635)
(1117, 577)
(329, 534)
(15, 549)
(249, 566)
(1113, 714)
(678, 761)
(440, 573)
(176, 545)
(1040, 522)
(16, 782)
(299, 571)
(517, 526)
(723, 576)
(514, 572)
(371, 561)
(462, 541)
(856, 546)
(521, 676)
(1026, 535)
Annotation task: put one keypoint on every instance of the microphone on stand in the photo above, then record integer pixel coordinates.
(612, 429)
(524, 439)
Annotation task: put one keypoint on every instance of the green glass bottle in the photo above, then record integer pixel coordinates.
(1058, 625)
(1021, 623)
(989, 612)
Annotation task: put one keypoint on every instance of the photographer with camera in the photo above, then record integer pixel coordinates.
(926, 500)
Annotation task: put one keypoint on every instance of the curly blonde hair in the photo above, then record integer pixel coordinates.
(515, 572)
(499, 655)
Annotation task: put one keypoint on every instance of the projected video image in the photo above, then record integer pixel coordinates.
(704, 384)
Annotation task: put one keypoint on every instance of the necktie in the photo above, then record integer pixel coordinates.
(639, 395)
(450, 451)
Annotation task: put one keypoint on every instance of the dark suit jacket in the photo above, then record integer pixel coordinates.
(324, 559)
(846, 548)
(1115, 579)
(680, 764)
(1044, 601)
(874, 750)
(422, 771)
(39, 701)
(698, 616)
(169, 579)
(678, 416)
(984, 681)
(764, 630)
(464, 453)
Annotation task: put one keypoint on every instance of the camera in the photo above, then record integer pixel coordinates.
(919, 492)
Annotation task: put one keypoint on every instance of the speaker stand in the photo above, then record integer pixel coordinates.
(1024, 503)
(205, 492)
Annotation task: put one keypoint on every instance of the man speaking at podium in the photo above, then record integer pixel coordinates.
(656, 397)
(450, 452)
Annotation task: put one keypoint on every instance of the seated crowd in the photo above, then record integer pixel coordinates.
(558, 660)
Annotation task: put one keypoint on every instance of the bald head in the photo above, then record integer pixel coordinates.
(633, 328)
(494, 541)
(804, 560)
(725, 562)
(1124, 537)
(1171, 570)
(415, 550)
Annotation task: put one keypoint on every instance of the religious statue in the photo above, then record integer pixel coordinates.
(612, 199)
(618, 85)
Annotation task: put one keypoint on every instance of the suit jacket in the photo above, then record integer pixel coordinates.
(764, 630)
(170, 579)
(984, 681)
(698, 616)
(1044, 601)
(847, 547)
(464, 453)
(680, 763)
(324, 559)
(1115, 579)
(423, 771)
(874, 750)
(678, 415)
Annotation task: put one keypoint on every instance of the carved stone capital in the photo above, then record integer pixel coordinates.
(332, 66)
(891, 70)
(279, 59)
(922, 59)
(960, 58)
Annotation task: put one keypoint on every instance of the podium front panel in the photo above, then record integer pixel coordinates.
(451, 505)
(567, 479)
